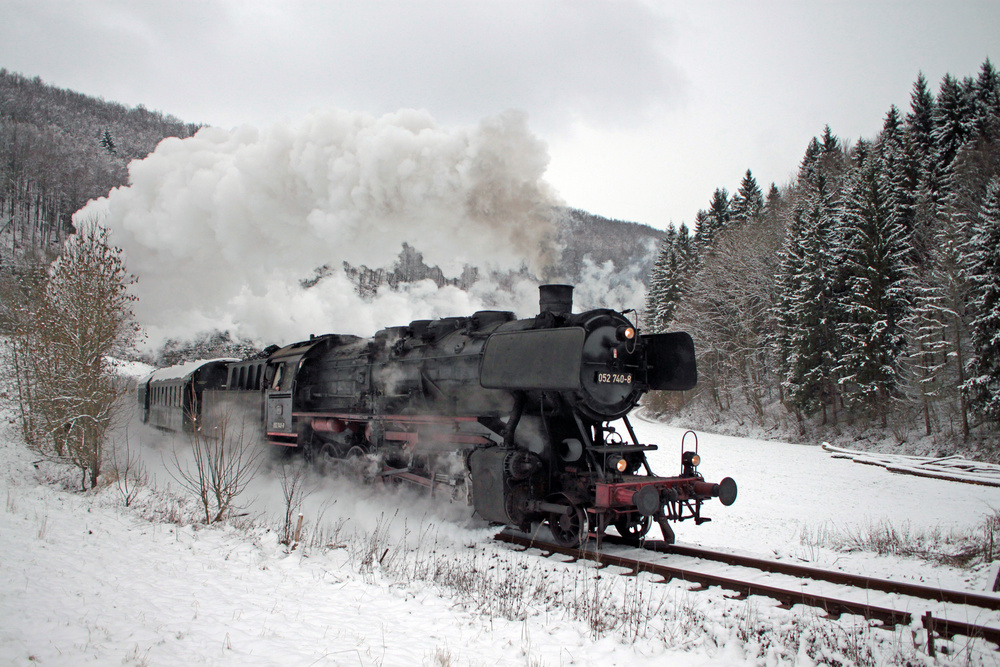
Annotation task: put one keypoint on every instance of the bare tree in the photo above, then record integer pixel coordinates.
(730, 312)
(64, 338)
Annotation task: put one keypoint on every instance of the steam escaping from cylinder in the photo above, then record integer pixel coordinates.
(222, 227)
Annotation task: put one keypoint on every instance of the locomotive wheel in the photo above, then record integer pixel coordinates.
(634, 528)
(569, 530)
(357, 465)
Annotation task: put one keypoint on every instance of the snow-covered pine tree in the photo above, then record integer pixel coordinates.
(807, 307)
(919, 140)
(898, 167)
(675, 263)
(920, 119)
(714, 220)
(952, 127)
(108, 143)
(658, 281)
(747, 205)
(983, 385)
(986, 103)
(877, 296)
(935, 326)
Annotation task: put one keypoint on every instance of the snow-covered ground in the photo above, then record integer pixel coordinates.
(401, 579)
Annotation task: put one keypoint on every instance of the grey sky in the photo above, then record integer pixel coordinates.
(647, 107)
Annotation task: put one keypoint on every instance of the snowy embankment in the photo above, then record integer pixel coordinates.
(400, 579)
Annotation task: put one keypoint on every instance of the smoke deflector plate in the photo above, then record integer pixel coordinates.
(533, 359)
(670, 361)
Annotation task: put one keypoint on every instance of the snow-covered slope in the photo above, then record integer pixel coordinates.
(400, 579)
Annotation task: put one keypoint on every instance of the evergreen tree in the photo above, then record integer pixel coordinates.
(808, 311)
(876, 299)
(952, 128)
(715, 220)
(919, 141)
(920, 120)
(807, 320)
(983, 385)
(108, 143)
(772, 204)
(938, 325)
(895, 163)
(658, 279)
(986, 103)
(748, 202)
(674, 266)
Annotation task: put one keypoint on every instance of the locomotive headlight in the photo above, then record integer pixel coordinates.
(691, 459)
(625, 333)
(622, 465)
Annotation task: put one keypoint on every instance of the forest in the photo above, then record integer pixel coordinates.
(862, 300)
(58, 150)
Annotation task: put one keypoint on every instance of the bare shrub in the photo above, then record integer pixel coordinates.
(129, 471)
(224, 463)
(958, 548)
(376, 550)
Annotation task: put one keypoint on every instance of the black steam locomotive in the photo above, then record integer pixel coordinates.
(521, 415)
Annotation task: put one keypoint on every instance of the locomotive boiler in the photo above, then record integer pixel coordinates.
(527, 418)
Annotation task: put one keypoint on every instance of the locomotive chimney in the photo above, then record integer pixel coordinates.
(555, 299)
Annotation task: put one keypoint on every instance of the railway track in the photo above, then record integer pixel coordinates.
(833, 605)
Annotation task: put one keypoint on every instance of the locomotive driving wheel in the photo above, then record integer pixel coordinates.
(569, 530)
(356, 464)
(633, 527)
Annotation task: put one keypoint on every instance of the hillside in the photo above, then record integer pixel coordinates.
(59, 149)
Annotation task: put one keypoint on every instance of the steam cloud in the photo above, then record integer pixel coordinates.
(222, 226)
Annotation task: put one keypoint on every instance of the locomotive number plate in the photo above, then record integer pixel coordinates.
(278, 425)
(613, 378)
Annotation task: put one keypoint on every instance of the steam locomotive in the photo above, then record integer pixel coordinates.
(523, 416)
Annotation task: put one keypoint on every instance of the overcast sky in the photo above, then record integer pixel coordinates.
(646, 107)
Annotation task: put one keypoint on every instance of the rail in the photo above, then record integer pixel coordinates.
(787, 596)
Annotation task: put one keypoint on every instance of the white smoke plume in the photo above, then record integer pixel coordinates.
(221, 227)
